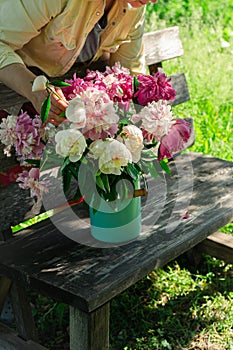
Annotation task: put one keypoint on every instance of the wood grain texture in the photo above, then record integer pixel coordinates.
(15, 202)
(10, 341)
(219, 245)
(23, 313)
(162, 45)
(5, 284)
(87, 277)
(89, 330)
(179, 83)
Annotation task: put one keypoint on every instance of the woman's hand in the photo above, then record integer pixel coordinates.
(58, 104)
(18, 78)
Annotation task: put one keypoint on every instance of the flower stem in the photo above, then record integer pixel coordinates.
(50, 90)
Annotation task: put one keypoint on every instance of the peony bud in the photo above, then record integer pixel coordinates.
(39, 83)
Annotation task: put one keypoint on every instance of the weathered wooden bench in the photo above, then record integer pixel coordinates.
(88, 278)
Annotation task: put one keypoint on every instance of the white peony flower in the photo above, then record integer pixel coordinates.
(156, 120)
(112, 155)
(70, 143)
(97, 148)
(39, 83)
(8, 135)
(132, 138)
(48, 132)
(76, 113)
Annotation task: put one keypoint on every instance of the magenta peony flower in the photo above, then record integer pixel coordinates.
(174, 141)
(116, 82)
(77, 86)
(154, 88)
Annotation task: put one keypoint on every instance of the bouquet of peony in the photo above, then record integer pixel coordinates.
(117, 127)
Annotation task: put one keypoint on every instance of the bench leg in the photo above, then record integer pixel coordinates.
(89, 331)
(5, 284)
(23, 313)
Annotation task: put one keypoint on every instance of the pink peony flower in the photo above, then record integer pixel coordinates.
(101, 117)
(28, 144)
(30, 180)
(154, 88)
(116, 82)
(175, 139)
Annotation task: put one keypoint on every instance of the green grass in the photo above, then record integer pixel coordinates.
(207, 66)
(179, 306)
(176, 308)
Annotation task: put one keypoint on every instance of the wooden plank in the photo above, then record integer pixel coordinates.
(11, 197)
(5, 284)
(11, 98)
(179, 83)
(89, 331)
(11, 209)
(22, 311)
(88, 277)
(10, 341)
(219, 245)
(162, 45)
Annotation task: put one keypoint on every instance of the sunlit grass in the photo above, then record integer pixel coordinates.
(32, 221)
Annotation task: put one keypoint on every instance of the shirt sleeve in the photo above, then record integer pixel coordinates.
(20, 21)
(131, 53)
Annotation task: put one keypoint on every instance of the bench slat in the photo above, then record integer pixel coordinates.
(179, 83)
(219, 245)
(162, 45)
(10, 341)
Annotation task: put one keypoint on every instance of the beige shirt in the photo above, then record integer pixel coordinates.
(49, 34)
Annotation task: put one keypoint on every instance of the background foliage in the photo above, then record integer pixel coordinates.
(206, 29)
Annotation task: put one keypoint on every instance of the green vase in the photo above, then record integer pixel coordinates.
(116, 222)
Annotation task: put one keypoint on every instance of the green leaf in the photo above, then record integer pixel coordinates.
(45, 109)
(106, 182)
(165, 166)
(74, 170)
(132, 171)
(152, 170)
(135, 83)
(100, 183)
(67, 176)
(124, 121)
(63, 114)
(65, 163)
(123, 189)
(60, 83)
(35, 162)
(148, 155)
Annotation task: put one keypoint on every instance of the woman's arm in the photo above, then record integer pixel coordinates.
(17, 77)
(131, 53)
(15, 32)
